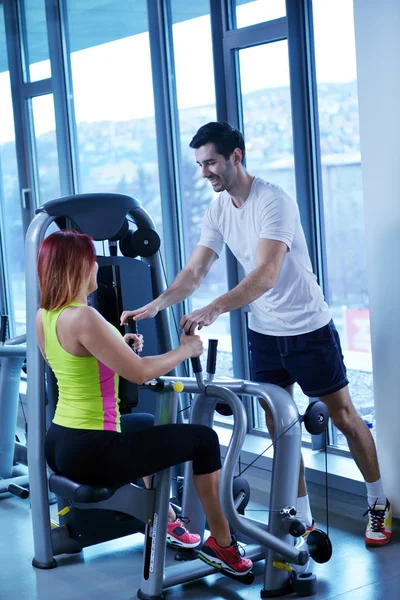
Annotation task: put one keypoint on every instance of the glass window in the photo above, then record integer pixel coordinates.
(113, 95)
(251, 12)
(267, 115)
(347, 289)
(10, 206)
(47, 170)
(34, 31)
(196, 106)
(267, 128)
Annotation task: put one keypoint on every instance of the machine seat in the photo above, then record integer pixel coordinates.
(78, 492)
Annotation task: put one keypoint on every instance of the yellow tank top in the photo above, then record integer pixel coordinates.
(87, 389)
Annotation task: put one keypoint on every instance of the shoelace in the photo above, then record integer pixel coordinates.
(377, 517)
(240, 551)
(181, 521)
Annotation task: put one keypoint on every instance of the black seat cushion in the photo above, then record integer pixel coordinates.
(78, 492)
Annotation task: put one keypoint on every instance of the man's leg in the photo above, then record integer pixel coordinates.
(361, 443)
(303, 504)
(362, 447)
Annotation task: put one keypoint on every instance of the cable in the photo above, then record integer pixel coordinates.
(271, 445)
(326, 480)
(24, 415)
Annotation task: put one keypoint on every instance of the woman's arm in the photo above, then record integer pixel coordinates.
(94, 333)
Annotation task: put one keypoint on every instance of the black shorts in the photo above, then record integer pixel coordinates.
(111, 458)
(313, 360)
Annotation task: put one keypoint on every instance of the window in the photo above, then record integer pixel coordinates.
(36, 50)
(46, 155)
(196, 106)
(347, 290)
(267, 128)
(251, 12)
(267, 117)
(113, 94)
(10, 213)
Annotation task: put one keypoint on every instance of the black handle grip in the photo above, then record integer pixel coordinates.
(212, 356)
(19, 491)
(131, 327)
(3, 328)
(196, 365)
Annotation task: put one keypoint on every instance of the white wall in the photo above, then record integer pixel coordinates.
(377, 30)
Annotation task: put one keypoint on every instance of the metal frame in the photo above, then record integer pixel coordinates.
(284, 481)
(6, 300)
(168, 137)
(306, 128)
(226, 40)
(306, 140)
(63, 97)
(36, 389)
(23, 133)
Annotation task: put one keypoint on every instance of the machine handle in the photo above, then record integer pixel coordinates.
(131, 327)
(212, 356)
(3, 328)
(196, 365)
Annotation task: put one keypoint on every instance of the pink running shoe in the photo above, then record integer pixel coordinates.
(228, 559)
(179, 536)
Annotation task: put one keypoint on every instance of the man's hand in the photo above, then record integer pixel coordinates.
(148, 311)
(135, 341)
(199, 318)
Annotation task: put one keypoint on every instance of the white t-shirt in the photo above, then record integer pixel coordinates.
(295, 305)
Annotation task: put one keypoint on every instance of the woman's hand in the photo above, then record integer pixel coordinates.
(135, 341)
(192, 344)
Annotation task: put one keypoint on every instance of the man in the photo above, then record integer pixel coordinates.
(291, 334)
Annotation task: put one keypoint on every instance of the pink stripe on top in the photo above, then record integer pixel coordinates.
(110, 401)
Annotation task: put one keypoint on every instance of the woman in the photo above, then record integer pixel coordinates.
(87, 354)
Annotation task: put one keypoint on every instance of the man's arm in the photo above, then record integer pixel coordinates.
(183, 286)
(270, 255)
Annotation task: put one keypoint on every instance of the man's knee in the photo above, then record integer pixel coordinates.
(345, 418)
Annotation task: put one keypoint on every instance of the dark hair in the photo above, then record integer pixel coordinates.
(224, 137)
(64, 264)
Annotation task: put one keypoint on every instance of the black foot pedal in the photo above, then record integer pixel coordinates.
(183, 554)
(247, 579)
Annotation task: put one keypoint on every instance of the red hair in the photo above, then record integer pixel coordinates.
(65, 261)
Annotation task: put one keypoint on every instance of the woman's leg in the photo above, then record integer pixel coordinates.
(207, 487)
(132, 422)
(167, 445)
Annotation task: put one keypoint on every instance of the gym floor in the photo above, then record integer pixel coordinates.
(111, 571)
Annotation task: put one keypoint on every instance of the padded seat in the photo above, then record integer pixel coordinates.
(78, 492)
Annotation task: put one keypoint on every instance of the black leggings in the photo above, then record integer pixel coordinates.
(110, 458)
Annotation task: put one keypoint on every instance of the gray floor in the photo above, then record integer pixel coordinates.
(111, 571)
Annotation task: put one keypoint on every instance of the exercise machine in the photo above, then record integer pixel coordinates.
(123, 282)
(150, 506)
(13, 454)
(279, 542)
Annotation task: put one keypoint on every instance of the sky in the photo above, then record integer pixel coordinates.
(113, 81)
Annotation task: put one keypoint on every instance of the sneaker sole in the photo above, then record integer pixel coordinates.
(178, 544)
(221, 565)
(376, 544)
